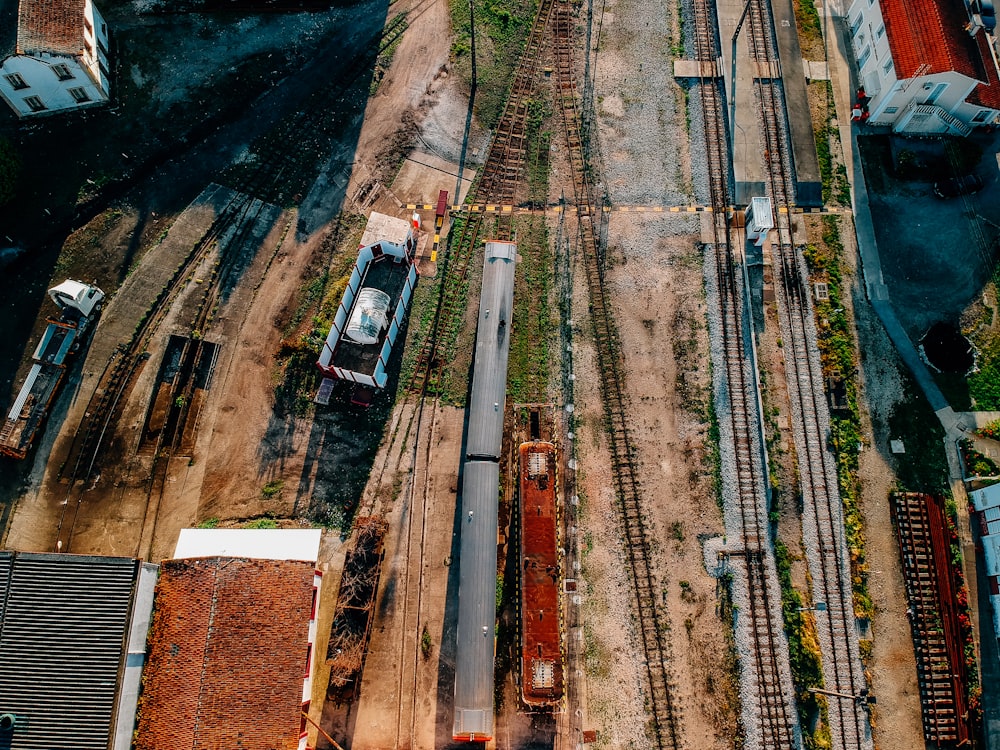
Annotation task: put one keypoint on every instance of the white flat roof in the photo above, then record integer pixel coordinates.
(256, 544)
(385, 228)
(987, 497)
(991, 554)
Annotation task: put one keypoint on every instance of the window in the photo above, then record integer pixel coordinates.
(887, 68)
(36, 104)
(309, 653)
(88, 27)
(981, 115)
(863, 57)
(15, 80)
(880, 32)
(63, 73)
(856, 24)
(891, 110)
(79, 95)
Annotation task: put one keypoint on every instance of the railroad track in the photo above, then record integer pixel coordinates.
(766, 674)
(823, 523)
(941, 674)
(647, 604)
(500, 180)
(275, 175)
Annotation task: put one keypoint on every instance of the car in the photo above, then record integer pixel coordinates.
(957, 186)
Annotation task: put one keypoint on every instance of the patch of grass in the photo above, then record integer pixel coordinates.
(261, 523)
(426, 644)
(208, 523)
(501, 32)
(306, 329)
(533, 324)
(835, 186)
(804, 654)
(839, 359)
(272, 488)
(984, 384)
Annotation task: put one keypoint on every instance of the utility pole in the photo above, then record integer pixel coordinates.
(732, 83)
(472, 29)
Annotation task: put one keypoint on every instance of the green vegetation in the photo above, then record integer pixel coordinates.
(272, 488)
(310, 321)
(839, 358)
(261, 523)
(426, 644)
(984, 385)
(501, 32)
(10, 170)
(836, 187)
(807, 18)
(976, 464)
(804, 655)
(208, 523)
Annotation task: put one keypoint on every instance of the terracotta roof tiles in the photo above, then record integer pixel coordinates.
(50, 25)
(929, 36)
(227, 655)
(986, 94)
(928, 33)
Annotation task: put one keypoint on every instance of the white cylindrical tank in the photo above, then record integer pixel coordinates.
(369, 316)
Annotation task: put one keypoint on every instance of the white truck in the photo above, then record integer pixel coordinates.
(79, 305)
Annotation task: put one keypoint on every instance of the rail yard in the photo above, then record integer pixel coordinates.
(547, 425)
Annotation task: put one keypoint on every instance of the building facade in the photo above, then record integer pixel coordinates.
(60, 61)
(928, 67)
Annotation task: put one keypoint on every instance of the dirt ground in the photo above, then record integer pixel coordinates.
(655, 273)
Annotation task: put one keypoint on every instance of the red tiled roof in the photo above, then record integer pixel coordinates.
(986, 94)
(928, 36)
(227, 655)
(51, 25)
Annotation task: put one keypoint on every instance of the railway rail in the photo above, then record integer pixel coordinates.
(937, 634)
(647, 604)
(771, 723)
(275, 174)
(823, 522)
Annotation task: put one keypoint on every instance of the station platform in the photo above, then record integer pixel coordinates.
(748, 149)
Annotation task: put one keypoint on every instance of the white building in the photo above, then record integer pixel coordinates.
(60, 61)
(928, 66)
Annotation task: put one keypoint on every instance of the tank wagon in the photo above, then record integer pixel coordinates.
(480, 497)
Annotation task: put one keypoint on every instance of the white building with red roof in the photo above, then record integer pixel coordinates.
(59, 61)
(928, 66)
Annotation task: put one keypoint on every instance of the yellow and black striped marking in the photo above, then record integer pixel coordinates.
(490, 208)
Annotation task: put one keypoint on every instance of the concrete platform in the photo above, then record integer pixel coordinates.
(748, 148)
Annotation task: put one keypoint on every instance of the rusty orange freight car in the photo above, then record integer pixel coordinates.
(541, 578)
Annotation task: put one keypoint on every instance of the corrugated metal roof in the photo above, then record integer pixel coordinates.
(61, 644)
(477, 600)
(489, 377)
